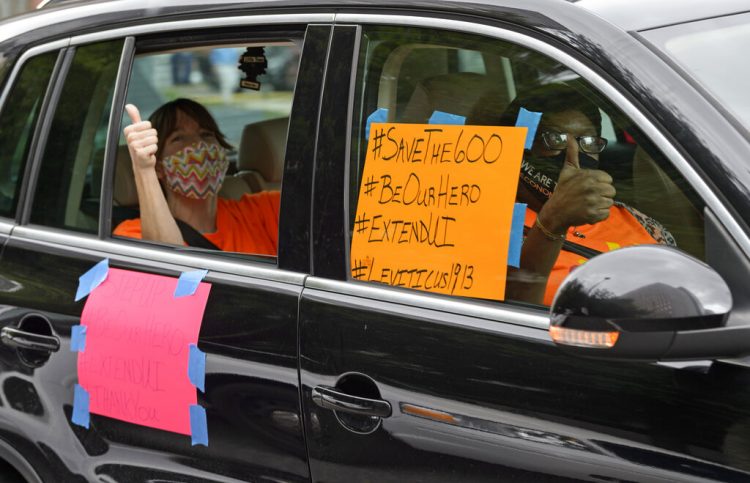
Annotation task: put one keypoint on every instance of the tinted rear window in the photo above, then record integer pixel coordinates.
(18, 119)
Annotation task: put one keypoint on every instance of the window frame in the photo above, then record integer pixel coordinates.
(518, 312)
(48, 115)
(10, 80)
(157, 42)
(158, 257)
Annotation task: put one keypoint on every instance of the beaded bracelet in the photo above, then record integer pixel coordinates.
(548, 234)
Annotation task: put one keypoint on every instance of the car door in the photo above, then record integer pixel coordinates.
(406, 385)
(249, 327)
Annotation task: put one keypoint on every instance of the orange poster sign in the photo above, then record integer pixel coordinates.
(435, 207)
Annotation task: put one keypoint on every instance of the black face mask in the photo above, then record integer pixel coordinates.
(540, 174)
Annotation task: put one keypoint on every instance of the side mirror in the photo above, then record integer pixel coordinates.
(648, 302)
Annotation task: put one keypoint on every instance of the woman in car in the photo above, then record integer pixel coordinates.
(571, 204)
(179, 163)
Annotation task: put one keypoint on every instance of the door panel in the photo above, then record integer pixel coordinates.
(476, 389)
(485, 400)
(249, 334)
(251, 399)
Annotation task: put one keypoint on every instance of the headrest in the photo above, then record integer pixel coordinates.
(262, 148)
(455, 93)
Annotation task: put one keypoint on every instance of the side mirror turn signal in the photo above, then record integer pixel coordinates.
(635, 302)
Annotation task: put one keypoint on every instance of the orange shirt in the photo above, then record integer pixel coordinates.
(621, 229)
(247, 225)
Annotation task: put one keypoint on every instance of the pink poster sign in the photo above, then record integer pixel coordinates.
(135, 364)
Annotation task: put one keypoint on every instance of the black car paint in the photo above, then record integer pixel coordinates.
(424, 358)
(524, 407)
(417, 354)
(294, 232)
(248, 333)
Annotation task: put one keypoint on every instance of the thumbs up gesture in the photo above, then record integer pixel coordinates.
(582, 196)
(142, 140)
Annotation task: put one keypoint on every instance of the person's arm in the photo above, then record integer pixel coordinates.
(157, 222)
(582, 196)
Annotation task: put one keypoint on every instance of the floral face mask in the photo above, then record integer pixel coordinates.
(196, 171)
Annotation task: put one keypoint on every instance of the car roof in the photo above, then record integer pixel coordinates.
(627, 14)
(637, 15)
(60, 17)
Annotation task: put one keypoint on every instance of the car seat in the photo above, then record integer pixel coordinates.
(664, 197)
(261, 155)
(456, 93)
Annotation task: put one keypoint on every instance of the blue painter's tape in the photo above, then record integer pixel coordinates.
(188, 282)
(197, 367)
(440, 117)
(198, 426)
(80, 407)
(516, 235)
(530, 120)
(78, 338)
(380, 115)
(92, 279)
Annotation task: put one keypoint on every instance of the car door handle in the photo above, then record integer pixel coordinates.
(28, 340)
(329, 398)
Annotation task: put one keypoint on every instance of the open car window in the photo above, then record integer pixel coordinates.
(246, 88)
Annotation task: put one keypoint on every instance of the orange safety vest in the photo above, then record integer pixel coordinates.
(621, 229)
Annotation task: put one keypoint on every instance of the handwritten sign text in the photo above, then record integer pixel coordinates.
(435, 207)
(135, 364)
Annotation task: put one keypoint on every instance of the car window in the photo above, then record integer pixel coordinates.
(709, 51)
(211, 76)
(17, 121)
(69, 181)
(246, 90)
(416, 215)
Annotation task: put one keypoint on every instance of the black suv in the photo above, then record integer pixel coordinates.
(313, 365)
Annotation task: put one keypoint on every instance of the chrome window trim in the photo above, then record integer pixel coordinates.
(6, 227)
(217, 22)
(52, 16)
(32, 52)
(165, 258)
(659, 139)
(388, 309)
(527, 317)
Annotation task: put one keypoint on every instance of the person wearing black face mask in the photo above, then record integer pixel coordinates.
(558, 181)
(569, 199)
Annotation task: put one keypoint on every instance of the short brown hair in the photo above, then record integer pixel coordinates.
(164, 120)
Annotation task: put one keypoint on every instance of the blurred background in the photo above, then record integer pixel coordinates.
(14, 7)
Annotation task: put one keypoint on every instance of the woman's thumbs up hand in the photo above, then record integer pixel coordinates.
(142, 140)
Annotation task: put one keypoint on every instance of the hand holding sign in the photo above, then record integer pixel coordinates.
(582, 196)
(142, 140)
